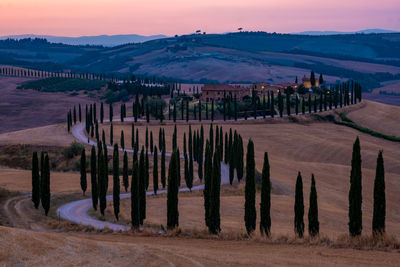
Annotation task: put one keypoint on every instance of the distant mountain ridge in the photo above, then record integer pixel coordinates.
(367, 31)
(104, 40)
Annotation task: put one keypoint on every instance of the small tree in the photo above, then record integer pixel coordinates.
(83, 171)
(155, 170)
(214, 198)
(172, 194)
(250, 214)
(93, 178)
(379, 215)
(125, 176)
(265, 205)
(355, 193)
(116, 187)
(299, 208)
(35, 181)
(313, 223)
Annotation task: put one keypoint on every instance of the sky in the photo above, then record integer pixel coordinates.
(170, 17)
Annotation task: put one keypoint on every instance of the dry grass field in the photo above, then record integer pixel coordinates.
(28, 248)
(307, 146)
(320, 148)
(379, 117)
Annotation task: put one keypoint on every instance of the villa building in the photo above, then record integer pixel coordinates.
(216, 92)
(307, 82)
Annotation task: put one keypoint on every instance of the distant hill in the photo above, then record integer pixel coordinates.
(225, 58)
(104, 40)
(368, 31)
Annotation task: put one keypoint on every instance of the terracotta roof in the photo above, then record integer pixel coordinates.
(222, 87)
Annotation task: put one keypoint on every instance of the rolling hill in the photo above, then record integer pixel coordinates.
(232, 57)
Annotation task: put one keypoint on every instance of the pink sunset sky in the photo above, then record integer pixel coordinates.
(95, 17)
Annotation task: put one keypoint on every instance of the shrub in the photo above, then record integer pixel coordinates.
(73, 150)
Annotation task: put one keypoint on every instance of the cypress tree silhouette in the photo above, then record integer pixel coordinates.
(207, 182)
(122, 140)
(355, 193)
(250, 213)
(45, 185)
(102, 181)
(313, 222)
(265, 205)
(83, 171)
(214, 220)
(299, 208)
(142, 186)
(93, 178)
(155, 170)
(116, 186)
(125, 176)
(135, 196)
(163, 167)
(379, 215)
(35, 180)
(172, 194)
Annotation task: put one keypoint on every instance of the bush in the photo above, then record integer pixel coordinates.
(73, 150)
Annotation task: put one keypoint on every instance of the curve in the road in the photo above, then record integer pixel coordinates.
(78, 211)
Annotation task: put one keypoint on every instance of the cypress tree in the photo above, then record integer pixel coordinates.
(299, 208)
(111, 112)
(172, 194)
(147, 139)
(135, 196)
(133, 136)
(160, 144)
(207, 182)
(151, 142)
(232, 160)
(93, 178)
(189, 183)
(379, 215)
(265, 205)
(101, 112)
(35, 181)
(45, 185)
(111, 134)
(355, 193)
(147, 165)
(155, 170)
(125, 176)
(122, 139)
(142, 186)
(313, 223)
(250, 214)
(211, 138)
(80, 113)
(83, 172)
(200, 159)
(163, 166)
(214, 220)
(297, 105)
(239, 164)
(102, 182)
(116, 187)
(309, 103)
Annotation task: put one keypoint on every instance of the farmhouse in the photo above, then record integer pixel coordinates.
(307, 82)
(216, 92)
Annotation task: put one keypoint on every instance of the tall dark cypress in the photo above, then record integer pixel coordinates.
(151, 142)
(35, 180)
(272, 107)
(265, 205)
(207, 182)
(163, 167)
(125, 176)
(102, 181)
(111, 134)
(155, 170)
(355, 193)
(101, 112)
(146, 168)
(45, 185)
(172, 194)
(299, 208)
(211, 138)
(379, 215)
(93, 178)
(135, 196)
(80, 113)
(122, 139)
(250, 213)
(313, 222)
(83, 172)
(116, 186)
(142, 186)
(214, 213)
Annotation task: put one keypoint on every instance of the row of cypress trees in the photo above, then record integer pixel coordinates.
(41, 181)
